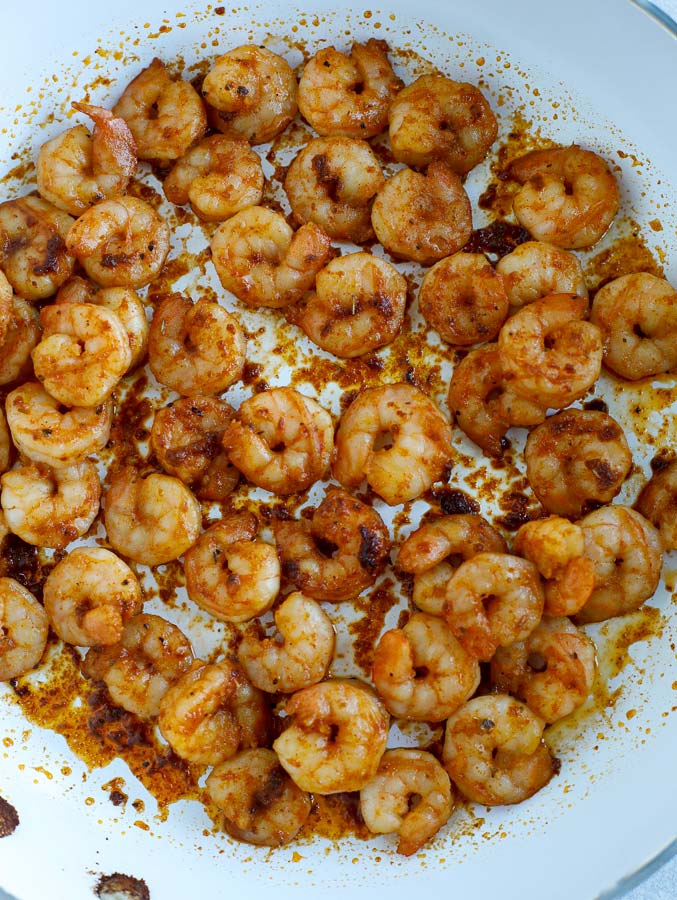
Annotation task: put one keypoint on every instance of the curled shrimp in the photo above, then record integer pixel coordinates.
(24, 626)
(658, 503)
(536, 269)
(21, 334)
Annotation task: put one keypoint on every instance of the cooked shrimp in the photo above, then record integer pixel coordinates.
(357, 306)
(231, 574)
(536, 269)
(165, 116)
(421, 442)
(576, 459)
(90, 596)
(658, 503)
(195, 348)
(263, 262)
(151, 520)
(422, 217)
(569, 196)
(23, 630)
(282, 441)
(410, 795)
(357, 533)
(21, 335)
(494, 751)
(336, 737)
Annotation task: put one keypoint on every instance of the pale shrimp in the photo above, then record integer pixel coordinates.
(536, 269)
(422, 672)
(230, 573)
(165, 116)
(421, 442)
(259, 802)
(218, 177)
(6, 450)
(252, 94)
(195, 348)
(333, 182)
(24, 626)
(151, 520)
(50, 507)
(410, 795)
(263, 262)
(576, 459)
(358, 306)
(120, 243)
(21, 336)
(422, 217)
(436, 118)
(494, 751)
(658, 503)
(90, 595)
(552, 671)
(295, 658)
(77, 169)
(569, 196)
(343, 524)
(336, 737)
(281, 441)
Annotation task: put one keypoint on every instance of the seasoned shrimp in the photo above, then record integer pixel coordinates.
(120, 243)
(151, 520)
(536, 269)
(357, 306)
(409, 795)
(494, 751)
(231, 574)
(422, 672)
(282, 441)
(77, 169)
(50, 507)
(195, 348)
(23, 630)
(658, 503)
(165, 116)
(421, 442)
(21, 335)
(342, 523)
(259, 801)
(90, 596)
(336, 737)
(218, 177)
(422, 217)
(569, 196)
(299, 656)
(263, 262)
(575, 459)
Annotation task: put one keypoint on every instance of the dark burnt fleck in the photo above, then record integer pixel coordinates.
(291, 570)
(662, 460)
(121, 887)
(487, 724)
(372, 548)
(453, 501)
(117, 798)
(499, 238)
(325, 178)
(21, 561)
(517, 511)
(55, 246)
(596, 404)
(271, 791)
(556, 765)
(605, 475)
(9, 818)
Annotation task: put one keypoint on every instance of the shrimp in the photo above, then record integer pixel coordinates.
(165, 116)
(151, 520)
(299, 656)
(282, 441)
(421, 442)
(357, 306)
(550, 351)
(552, 671)
(349, 95)
(422, 672)
(252, 94)
(195, 348)
(422, 217)
(259, 801)
(436, 118)
(120, 243)
(569, 196)
(231, 574)
(50, 507)
(90, 596)
(536, 269)
(336, 737)
(658, 503)
(410, 795)
(218, 177)
(77, 169)
(494, 751)
(576, 459)
(493, 599)
(342, 523)
(627, 553)
(263, 262)
(21, 336)
(333, 182)
(23, 630)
